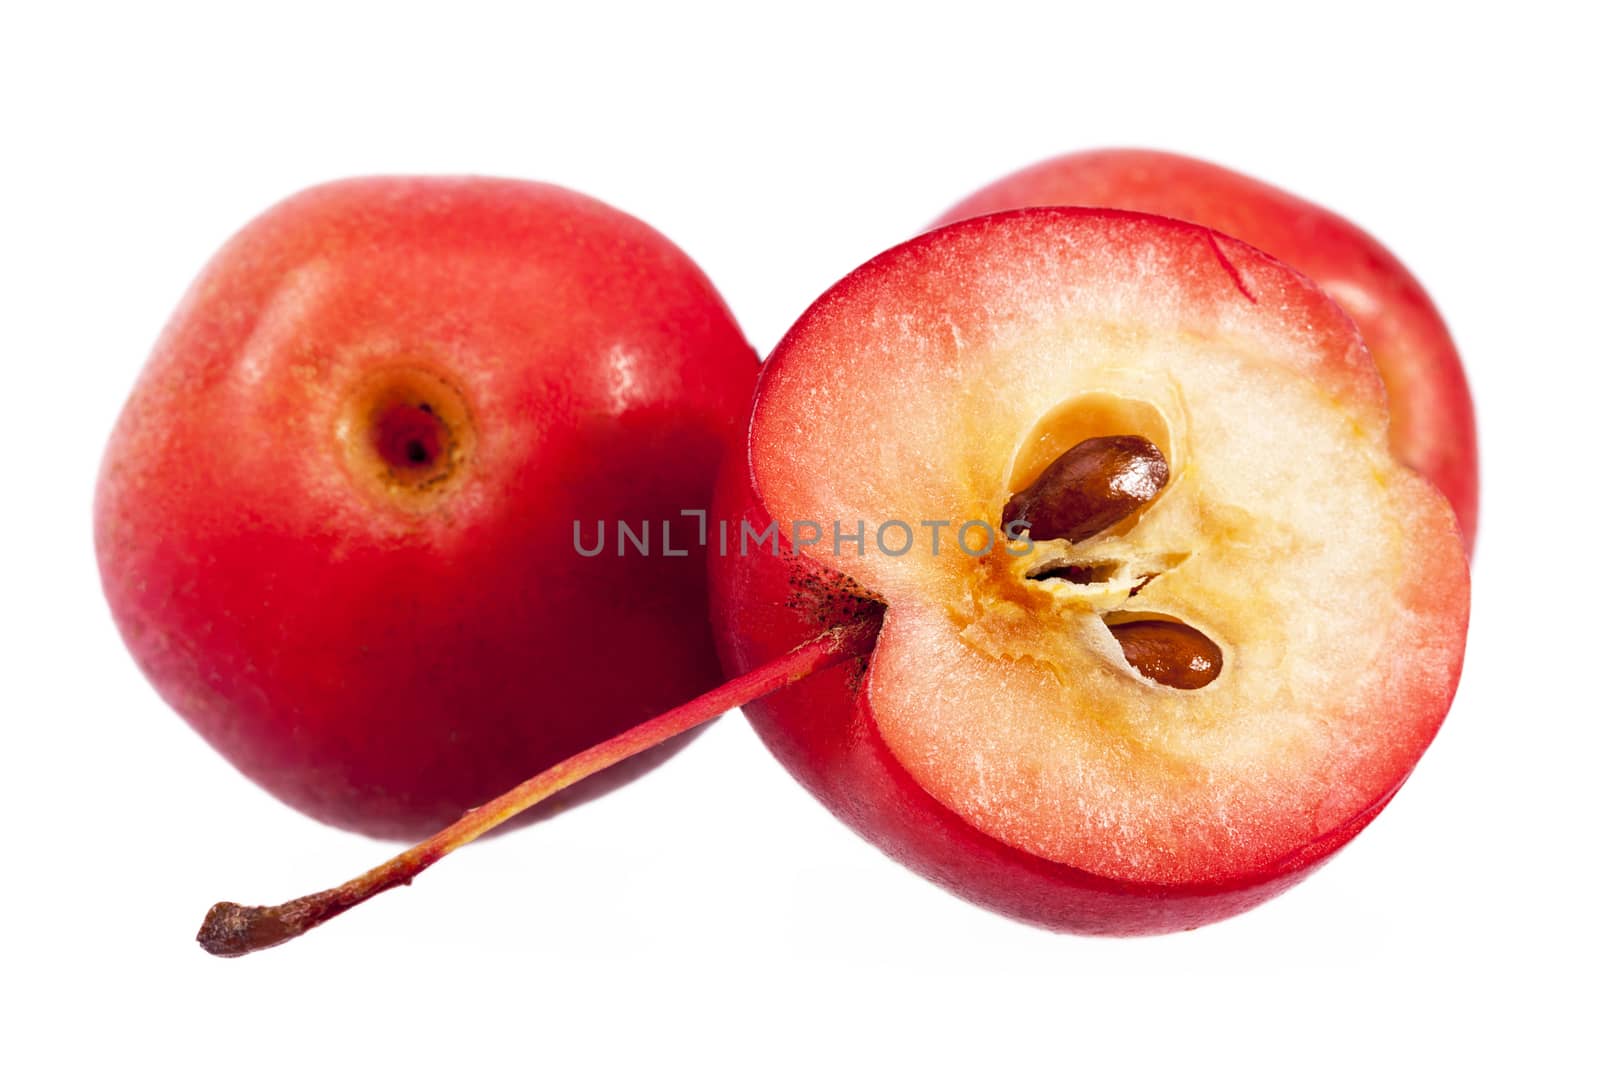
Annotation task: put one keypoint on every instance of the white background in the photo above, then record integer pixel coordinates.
(714, 912)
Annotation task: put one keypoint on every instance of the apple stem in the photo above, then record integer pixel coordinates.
(236, 930)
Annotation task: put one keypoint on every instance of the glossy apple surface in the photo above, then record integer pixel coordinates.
(335, 520)
(1432, 427)
(999, 741)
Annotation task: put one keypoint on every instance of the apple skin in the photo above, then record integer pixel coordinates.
(384, 659)
(1432, 426)
(824, 731)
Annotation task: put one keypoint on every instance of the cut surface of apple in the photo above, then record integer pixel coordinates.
(1001, 741)
(1432, 425)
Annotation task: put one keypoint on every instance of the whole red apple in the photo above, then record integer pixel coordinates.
(1431, 424)
(1235, 622)
(335, 522)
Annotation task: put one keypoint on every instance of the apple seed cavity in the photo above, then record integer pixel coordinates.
(1086, 491)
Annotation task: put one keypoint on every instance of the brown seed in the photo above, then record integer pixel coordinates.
(1169, 652)
(1090, 487)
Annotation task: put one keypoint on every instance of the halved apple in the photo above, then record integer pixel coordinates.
(1010, 737)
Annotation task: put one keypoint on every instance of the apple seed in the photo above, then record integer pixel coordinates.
(1169, 653)
(1089, 488)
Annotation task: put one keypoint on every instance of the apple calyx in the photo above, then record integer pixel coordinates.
(233, 929)
(406, 433)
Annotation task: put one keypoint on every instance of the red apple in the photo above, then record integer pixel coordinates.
(335, 520)
(1431, 424)
(1146, 720)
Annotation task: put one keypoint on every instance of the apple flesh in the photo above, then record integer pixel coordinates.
(1001, 741)
(335, 520)
(1432, 429)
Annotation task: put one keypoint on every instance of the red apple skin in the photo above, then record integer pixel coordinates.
(823, 730)
(1432, 429)
(384, 668)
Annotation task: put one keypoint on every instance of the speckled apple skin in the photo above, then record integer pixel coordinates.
(381, 669)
